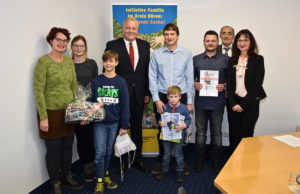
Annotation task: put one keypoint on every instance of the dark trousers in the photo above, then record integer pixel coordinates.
(243, 124)
(164, 99)
(215, 118)
(136, 117)
(85, 143)
(59, 156)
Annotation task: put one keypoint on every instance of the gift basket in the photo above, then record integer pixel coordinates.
(83, 110)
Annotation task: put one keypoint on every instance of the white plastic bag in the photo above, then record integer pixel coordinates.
(122, 146)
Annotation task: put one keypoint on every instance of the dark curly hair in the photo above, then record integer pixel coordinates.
(52, 34)
(253, 49)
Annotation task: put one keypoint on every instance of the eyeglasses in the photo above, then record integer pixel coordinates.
(244, 40)
(78, 46)
(61, 40)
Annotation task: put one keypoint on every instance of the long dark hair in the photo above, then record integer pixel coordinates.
(253, 49)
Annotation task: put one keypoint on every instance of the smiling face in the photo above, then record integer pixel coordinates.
(78, 48)
(243, 43)
(211, 42)
(227, 36)
(110, 65)
(171, 37)
(59, 43)
(130, 30)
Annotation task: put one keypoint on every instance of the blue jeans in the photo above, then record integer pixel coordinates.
(105, 134)
(177, 154)
(215, 118)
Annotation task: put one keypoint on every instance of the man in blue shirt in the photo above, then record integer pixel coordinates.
(170, 65)
(209, 108)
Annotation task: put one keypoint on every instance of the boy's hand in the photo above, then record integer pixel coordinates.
(161, 124)
(84, 122)
(122, 131)
(180, 126)
(44, 125)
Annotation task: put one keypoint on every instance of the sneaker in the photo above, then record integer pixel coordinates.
(99, 189)
(56, 187)
(186, 169)
(109, 183)
(179, 177)
(162, 175)
(69, 182)
(157, 168)
(199, 166)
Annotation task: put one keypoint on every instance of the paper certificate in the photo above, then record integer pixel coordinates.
(170, 121)
(209, 80)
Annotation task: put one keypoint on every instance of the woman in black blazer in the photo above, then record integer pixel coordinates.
(244, 86)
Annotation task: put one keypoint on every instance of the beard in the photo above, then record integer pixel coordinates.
(211, 50)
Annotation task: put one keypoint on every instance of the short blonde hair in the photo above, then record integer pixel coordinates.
(174, 90)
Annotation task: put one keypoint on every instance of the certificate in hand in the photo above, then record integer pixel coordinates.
(209, 80)
(170, 121)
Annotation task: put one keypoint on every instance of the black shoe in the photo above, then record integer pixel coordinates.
(56, 187)
(141, 166)
(69, 182)
(216, 167)
(186, 169)
(162, 175)
(199, 166)
(157, 168)
(179, 177)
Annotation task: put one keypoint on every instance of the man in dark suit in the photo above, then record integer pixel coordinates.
(227, 36)
(134, 56)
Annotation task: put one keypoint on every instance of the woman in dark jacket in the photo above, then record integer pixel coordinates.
(244, 86)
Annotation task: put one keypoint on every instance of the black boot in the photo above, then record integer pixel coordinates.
(89, 172)
(56, 187)
(68, 182)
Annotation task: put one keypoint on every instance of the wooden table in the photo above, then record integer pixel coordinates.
(259, 165)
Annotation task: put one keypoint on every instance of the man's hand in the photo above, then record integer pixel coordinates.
(122, 132)
(147, 99)
(44, 125)
(220, 87)
(198, 86)
(237, 108)
(190, 107)
(160, 106)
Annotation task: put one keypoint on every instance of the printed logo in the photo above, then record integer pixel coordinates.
(108, 95)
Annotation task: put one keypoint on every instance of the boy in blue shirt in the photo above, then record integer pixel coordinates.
(174, 106)
(111, 90)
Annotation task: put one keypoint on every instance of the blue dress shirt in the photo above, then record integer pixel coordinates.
(171, 68)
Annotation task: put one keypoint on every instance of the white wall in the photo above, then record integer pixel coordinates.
(24, 25)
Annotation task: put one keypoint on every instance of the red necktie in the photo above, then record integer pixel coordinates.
(173, 109)
(131, 55)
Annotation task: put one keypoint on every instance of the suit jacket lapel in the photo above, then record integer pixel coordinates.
(125, 51)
